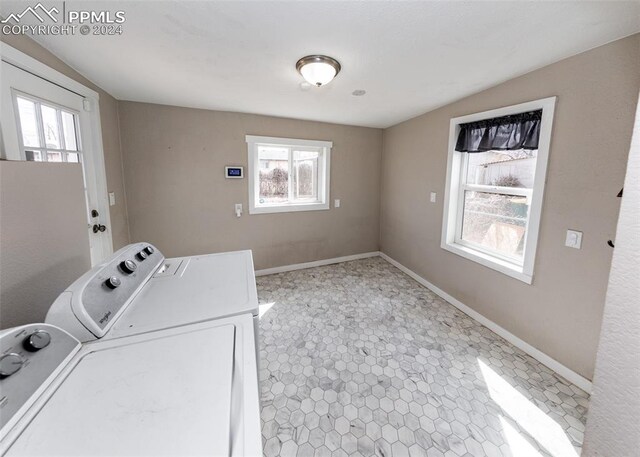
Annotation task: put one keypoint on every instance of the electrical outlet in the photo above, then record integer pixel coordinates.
(573, 239)
(433, 197)
(336, 203)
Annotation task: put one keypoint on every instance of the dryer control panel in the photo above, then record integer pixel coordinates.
(90, 305)
(29, 356)
(117, 281)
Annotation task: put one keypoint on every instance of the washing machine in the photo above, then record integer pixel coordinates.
(138, 290)
(188, 390)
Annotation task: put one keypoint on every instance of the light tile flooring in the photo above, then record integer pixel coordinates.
(360, 360)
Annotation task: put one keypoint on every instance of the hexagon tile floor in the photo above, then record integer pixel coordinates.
(358, 359)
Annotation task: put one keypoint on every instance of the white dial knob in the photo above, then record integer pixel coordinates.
(37, 340)
(113, 282)
(9, 364)
(128, 266)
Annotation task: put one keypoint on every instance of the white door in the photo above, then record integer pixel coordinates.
(44, 122)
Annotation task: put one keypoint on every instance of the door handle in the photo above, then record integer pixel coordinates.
(99, 228)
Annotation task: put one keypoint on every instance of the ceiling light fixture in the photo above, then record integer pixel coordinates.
(318, 70)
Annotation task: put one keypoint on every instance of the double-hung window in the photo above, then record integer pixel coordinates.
(495, 181)
(288, 174)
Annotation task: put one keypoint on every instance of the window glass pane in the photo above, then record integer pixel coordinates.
(69, 129)
(273, 175)
(33, 156)
(72, 157)
(305, 175)
(51, 130)
(497, 222)
(28, 123)
(53, 156)
(502, 168)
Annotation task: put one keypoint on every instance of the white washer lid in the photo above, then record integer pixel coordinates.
(168, 396)
(202, 288)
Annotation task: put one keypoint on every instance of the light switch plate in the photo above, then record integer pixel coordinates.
(336, 203)
(433, 197)
(112, 198)
(574, 239)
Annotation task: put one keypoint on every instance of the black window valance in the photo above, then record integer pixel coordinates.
(507, 133)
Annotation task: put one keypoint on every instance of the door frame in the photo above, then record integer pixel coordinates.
(94, 147)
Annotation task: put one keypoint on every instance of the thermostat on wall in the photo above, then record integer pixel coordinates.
(234, 172)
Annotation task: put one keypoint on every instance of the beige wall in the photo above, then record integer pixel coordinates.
(44, 244)
(560, 313)
(613, 426)
(110, 132)
(179, 199)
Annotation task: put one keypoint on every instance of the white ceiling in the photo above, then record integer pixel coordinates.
(410, 57)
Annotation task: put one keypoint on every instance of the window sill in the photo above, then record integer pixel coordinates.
(507, 268)
(289, 208)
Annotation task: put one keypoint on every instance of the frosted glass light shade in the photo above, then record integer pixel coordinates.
(318, 70)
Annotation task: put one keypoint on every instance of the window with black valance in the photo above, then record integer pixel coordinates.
(496, 171)
(507, 133)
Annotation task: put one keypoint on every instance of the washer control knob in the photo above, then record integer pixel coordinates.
(128, 266)
(149, 250)
(113, 282)
(142, 255)
(9, 364)
(37, 340)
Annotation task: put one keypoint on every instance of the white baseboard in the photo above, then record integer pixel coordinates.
(316, 263)
(540, 356)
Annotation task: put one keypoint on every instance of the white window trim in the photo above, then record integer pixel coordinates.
(43, 149)
(323, 184)
(453, 207)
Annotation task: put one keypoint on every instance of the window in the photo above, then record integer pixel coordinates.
(495, 181)
(47, 133)
(287, 174)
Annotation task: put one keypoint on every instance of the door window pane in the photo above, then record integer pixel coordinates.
(502, 168)
(28, 123)
(57, 126)
(51, 128)
(54, 156)
(274, 174)
(69, 129)
(33, 156)
(495, 221)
